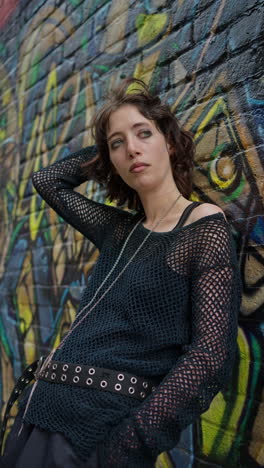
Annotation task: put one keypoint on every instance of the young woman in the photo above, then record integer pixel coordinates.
(154, 338)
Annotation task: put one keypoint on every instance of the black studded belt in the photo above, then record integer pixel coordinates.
(97, 377)
(81, 376)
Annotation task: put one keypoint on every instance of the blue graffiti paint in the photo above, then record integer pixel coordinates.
(257, 235)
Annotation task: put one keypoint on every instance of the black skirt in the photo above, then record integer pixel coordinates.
(37, 448)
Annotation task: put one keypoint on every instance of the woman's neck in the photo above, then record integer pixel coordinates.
(157, 204)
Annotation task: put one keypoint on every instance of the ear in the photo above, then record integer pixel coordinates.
(171, 149)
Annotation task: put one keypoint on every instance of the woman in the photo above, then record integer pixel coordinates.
(155, 335)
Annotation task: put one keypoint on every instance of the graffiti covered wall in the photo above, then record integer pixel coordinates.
(57, 60)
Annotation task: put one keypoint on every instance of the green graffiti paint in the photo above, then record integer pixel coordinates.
(256, 360)
(75, 2)
(218, 150)
(3, 48)
(103, 68)
(33, 76)
(81, 102)
(140, 21)
(236, 193)
(3, 127)
(84, 42)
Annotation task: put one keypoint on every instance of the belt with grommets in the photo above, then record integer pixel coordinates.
(109, 380)
(80, 376)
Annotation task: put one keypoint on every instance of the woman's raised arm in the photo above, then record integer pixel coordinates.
(56, 184)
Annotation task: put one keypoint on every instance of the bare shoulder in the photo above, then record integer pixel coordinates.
(206, 209)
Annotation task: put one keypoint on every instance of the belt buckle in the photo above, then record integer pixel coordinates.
(40, 363)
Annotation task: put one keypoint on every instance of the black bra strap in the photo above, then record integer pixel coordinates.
(186, 213)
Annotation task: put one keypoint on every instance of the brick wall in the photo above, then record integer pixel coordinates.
(57, 59)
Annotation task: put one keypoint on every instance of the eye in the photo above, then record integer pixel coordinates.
(115, 143)
(145, 133)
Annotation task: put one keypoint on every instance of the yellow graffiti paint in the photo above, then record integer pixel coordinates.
(69, 313)
(59, 259)
(35, 217)
(150, 26)
(211, 420)
(36, 213)
(57, 339)
(24, 309)
(2, 135)
(195, 197)
(223, 184)
(219, 104)
(93, 257)
(6, 97)
(163, 461)
(30, 346)
(144, 69)
(26, 305)
(24, 179)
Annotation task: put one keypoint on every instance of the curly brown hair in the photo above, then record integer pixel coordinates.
(100, 167)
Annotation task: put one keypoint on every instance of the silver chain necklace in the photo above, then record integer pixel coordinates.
(73, 327)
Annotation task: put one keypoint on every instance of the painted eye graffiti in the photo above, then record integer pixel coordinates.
(225, 172)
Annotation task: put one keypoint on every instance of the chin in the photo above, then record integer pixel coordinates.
(141, 184)
(144, 188)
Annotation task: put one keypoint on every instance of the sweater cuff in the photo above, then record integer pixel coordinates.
(125, 449)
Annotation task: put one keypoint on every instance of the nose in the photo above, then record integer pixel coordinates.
(132, 148)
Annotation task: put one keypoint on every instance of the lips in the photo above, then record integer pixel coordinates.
(137, 167)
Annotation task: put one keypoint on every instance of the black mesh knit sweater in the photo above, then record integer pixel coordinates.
(171, 316)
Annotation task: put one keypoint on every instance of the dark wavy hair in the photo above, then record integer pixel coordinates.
(100, 167)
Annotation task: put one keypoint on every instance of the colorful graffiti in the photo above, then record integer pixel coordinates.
(66, 58)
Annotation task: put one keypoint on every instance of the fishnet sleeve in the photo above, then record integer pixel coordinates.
(56, 184)
(203, 369)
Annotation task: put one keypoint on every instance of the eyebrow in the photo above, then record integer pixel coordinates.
(136, 125)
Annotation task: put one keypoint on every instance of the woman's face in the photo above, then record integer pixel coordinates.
(138, 150)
